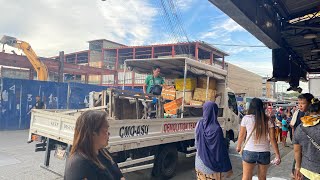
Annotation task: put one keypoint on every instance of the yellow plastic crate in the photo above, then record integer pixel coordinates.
(191, 84)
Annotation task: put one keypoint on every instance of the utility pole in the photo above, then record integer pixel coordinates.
(61, 66)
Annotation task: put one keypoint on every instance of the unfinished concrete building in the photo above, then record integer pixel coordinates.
(111, 55)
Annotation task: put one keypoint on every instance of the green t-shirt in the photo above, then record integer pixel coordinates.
(149, 82)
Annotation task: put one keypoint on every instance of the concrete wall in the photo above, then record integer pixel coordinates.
(244, 81)
(271, 87)
(268, 88)
(14, 73)
(108, 44)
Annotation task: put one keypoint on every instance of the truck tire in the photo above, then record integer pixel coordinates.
(165, 163)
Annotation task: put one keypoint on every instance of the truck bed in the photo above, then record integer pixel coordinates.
(124, 134)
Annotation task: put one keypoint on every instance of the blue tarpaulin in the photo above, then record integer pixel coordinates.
(17, 98)
(79, 94)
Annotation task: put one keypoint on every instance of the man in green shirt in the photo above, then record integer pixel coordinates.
(154, 79)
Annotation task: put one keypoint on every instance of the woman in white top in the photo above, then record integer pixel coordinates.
(260, 131)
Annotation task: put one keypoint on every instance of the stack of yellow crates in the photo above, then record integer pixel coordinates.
(195, 93)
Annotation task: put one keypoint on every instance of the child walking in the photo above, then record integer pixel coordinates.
(284, 130)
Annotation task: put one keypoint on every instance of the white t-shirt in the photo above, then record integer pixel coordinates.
(294, 118)
(263, 145)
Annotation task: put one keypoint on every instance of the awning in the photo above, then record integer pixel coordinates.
(171, 67)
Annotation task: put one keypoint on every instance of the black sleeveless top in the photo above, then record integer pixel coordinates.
(78, 167)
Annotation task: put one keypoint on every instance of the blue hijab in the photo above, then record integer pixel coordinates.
(210, 141)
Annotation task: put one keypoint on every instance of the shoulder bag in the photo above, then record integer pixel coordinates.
(316, 145)
(156, 89)
(247, 140)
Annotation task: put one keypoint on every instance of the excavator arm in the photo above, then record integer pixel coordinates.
(38, 65)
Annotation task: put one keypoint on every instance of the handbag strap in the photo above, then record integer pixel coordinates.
(316, 145)
(154, 82)
(248, 138)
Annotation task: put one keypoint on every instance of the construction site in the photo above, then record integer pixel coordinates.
(102, 65)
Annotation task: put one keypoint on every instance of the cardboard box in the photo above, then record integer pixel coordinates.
(191, 84)
(196, 103)
(168, 92)
(202, 83)
(200, 94)
(187, 98)
(173, 106)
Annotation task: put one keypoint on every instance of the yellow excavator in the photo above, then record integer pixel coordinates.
(38, 65)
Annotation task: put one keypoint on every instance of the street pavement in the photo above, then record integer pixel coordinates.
(18, 161)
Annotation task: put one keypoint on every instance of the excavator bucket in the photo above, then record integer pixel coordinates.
(11, 41)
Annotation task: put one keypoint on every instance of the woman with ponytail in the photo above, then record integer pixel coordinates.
(256, 149)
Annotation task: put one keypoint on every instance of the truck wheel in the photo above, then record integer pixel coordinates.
(165, 162)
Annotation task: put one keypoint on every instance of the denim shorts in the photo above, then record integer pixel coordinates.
(256, 157)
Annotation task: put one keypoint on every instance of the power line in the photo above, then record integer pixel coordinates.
(165, 18)
(176, 11)
(239, 45)
(173, 23)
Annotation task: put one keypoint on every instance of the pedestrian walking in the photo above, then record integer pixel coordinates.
(88, 157)
(307, 144)
(304, 100)
(39, 104)
(294, 109)
(278, 128)
(289, 118)
(284, 130)
(261, 133)
(212, 159)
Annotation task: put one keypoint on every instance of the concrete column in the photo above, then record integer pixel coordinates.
(61, 66)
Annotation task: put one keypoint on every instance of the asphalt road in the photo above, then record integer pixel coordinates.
(19, 161)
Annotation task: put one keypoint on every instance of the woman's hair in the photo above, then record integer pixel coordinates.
(261, 120)
(284, 116)
(314, 106)
(87, 124)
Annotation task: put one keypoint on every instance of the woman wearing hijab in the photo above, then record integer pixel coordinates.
(212, 156)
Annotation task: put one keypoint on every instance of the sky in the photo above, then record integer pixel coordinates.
(51, 26)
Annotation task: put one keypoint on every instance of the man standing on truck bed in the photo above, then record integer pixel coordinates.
(153, 85)
(153, 82)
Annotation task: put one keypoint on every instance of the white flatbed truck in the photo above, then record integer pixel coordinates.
(136, 142)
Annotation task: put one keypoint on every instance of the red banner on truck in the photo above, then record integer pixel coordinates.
(176, 127)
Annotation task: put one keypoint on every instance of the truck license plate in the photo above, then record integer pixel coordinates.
(60, 153)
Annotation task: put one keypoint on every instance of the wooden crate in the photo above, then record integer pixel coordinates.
(187, 98)
(173, 106)
(196, 103)
(200, 94)
(191, 84)
(168, 92)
